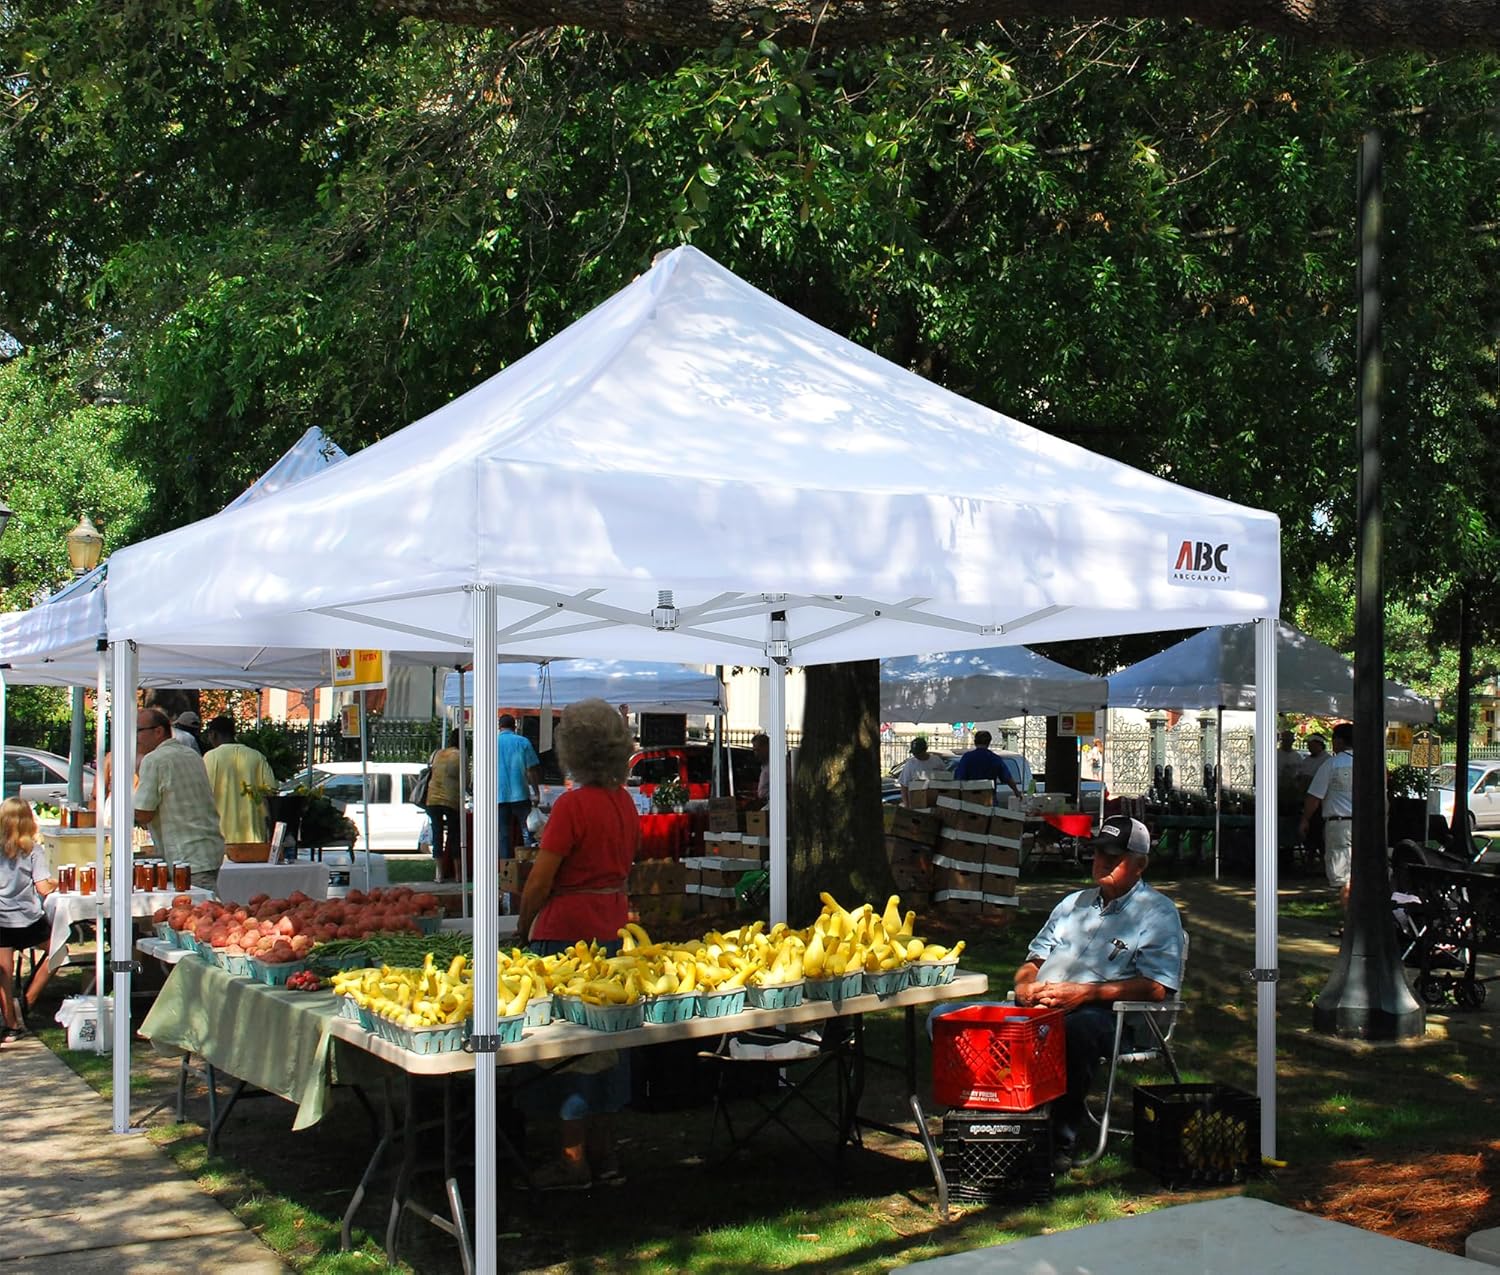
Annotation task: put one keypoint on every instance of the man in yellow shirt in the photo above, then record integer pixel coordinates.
(240, 778)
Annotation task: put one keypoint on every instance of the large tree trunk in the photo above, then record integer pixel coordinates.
(1456, 25)
(837, 841)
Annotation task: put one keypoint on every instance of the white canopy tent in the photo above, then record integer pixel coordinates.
(1216, 669)
(694, 473)
(61, 641)
(56, 642)
(665, 688)
(968, 686)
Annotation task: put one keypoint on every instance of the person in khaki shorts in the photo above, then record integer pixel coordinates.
(1331, 792)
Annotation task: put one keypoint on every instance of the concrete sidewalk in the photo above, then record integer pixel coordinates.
(77, 1198)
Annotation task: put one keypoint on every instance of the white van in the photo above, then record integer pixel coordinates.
(395, 821)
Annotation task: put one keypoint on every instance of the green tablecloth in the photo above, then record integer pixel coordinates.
(275, 1039)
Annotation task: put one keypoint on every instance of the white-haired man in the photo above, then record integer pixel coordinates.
(1120, 940)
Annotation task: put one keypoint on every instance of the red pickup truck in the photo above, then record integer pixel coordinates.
(692, 765)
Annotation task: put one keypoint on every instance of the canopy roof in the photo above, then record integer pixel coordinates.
(692, 435)
(968, 686)
(55, 642)
(1217, 668)
(666, 688)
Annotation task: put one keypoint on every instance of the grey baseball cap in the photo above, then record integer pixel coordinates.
(1120, 834)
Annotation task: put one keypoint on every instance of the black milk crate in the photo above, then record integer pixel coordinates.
(1197, 1135)
(998, 1155)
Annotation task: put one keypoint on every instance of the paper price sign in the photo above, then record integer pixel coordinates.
(1075, 723)
(355, 669)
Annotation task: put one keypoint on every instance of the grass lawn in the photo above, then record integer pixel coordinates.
(1399, 1139)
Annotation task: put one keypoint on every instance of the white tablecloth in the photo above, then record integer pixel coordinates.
(63, 910)
(240, 882)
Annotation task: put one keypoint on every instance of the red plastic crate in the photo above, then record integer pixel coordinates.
(1003, 1057)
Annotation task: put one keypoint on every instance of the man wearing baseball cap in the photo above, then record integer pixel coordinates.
(1118, 941)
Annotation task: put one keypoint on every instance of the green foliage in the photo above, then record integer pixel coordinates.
(283, 752)
(1137, 236)
(61, 456)
(1406, 781)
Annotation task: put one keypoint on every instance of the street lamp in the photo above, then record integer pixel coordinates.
(85, 548)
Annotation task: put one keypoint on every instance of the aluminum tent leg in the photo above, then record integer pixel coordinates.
(463, 804)
(1218, 787)
(1266, 971)
(486, 928)
(99, 830)
(777, 732)
(122, 817)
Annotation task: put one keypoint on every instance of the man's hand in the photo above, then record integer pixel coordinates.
(1063, 996)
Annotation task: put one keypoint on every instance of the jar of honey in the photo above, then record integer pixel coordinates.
(182, 877)
(67, 877)
(161, 878)
(143, 875)
(88, 879)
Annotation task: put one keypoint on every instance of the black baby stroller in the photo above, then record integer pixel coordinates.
(1446, 914)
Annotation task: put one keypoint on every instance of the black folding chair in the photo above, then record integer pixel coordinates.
(781, 1065)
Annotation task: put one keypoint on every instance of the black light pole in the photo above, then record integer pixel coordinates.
(1366, 995)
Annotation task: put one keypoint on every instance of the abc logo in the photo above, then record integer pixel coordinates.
(1200, 555)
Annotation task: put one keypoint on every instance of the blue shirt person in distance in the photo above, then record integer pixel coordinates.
(518, 782)
(980, 763)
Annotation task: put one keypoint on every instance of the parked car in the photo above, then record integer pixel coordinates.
(395, 820)
(1484, 794)
(41, 777)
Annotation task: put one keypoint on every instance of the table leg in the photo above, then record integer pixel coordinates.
(933, 1159)
(387, 1133)
(215, 1124)
(408, 1163)
(456, 1204)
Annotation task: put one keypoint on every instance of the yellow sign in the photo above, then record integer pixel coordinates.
(357, 670)
(349, 721)
(1075, 724)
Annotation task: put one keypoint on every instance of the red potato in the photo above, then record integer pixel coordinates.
(257, 899)
(183, 901)
(159, 916)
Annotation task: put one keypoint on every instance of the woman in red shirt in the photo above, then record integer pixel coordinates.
(576, 891)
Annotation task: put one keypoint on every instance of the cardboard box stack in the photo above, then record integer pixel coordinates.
(911, 838)
(978, 857)
(658, 894)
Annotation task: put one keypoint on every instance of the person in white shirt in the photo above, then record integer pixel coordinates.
(1331, 793)
(918, 769)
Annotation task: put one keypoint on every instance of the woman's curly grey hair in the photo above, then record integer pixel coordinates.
(593, 743)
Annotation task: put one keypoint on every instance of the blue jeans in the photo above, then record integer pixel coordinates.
(512, 826)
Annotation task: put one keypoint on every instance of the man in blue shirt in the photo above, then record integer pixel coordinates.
(980, 763)
(519, 781)
(1120, 941)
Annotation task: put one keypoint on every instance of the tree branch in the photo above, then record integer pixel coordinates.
(1436, 25)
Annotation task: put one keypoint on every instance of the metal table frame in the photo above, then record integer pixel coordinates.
(559, 1043)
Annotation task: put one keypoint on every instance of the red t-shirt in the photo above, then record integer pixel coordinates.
(596, 832)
